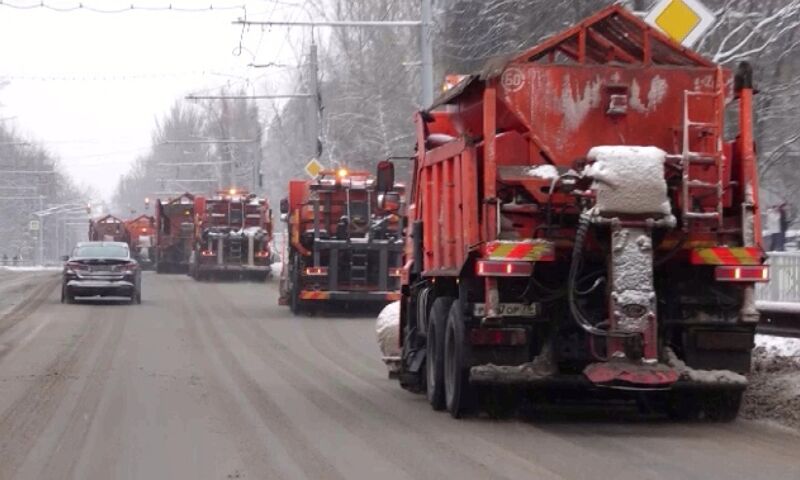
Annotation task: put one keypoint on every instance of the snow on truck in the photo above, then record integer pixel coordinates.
(232, 236)
(578, 217)
(174, 234)
(344, 241)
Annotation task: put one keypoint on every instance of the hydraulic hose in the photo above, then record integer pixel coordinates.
(572, 287)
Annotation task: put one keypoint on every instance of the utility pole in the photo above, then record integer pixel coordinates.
(426, 53)
(316, 143)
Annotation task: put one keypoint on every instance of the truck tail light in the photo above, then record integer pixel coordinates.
(262, 254)
(395, 272)
(499, 268)
(758, 273)
(498, 336)
(207, 253)
(316, 271)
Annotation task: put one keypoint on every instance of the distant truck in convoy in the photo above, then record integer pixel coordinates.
(141, 232)
(344, 241)
(108, 229)
(174, 234)
(578, 217)
(232, 236)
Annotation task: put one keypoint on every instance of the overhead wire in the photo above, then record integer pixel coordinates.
(130, 8)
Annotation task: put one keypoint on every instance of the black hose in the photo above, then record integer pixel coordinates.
(572, 288)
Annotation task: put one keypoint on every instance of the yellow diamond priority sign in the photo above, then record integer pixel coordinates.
(313, 167)
(685, 21)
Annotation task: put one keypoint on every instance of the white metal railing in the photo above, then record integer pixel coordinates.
(784, 282)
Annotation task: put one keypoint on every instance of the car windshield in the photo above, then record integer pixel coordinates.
(101, 251)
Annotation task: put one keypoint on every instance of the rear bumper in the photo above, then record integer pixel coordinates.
(233, 268)
(101, 288)
(343, 295)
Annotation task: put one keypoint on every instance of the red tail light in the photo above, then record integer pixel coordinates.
(317, 271)
(75, 266)
(495, 268)
(262, 254)
(498, 336)
(207, 253)
(758, 273)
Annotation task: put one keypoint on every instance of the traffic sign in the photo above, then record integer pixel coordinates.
(33, 226)
(685, 21)
(313, 167)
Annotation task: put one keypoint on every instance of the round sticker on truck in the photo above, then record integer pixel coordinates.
(513, 79)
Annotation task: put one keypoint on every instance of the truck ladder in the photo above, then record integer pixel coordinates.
(236, 249)
(709, 156)
(358, 268)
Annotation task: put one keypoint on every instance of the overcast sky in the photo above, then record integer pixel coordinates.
(90, 86)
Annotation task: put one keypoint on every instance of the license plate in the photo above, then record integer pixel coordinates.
(508, 310)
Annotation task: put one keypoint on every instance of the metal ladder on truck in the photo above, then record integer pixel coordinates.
(236, 216)
(358, 268)
(709, 157)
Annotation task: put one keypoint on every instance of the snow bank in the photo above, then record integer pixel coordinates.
(387, 328)
(547, 172)
(32, 269)
(774, 391)
(629, 180)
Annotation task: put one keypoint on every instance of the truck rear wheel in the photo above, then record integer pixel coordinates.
(459, 394)
(434, 352)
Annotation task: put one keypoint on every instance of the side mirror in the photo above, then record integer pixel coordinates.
(284, 206)
(64, 258)
(385, 176)
(389, 201)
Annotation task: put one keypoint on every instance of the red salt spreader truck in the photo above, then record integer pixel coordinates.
(174, 234)
(141, 232)
(578, 217)
(232, 235)
(344, 241)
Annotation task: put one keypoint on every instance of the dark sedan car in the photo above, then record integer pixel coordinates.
(101, 269)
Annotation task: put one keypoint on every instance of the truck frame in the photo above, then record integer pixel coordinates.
(526, 266)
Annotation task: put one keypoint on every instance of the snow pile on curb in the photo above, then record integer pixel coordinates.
(774, 390)
(387, 328)
(32, 269)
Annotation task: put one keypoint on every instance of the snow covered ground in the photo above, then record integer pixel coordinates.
(774, 390)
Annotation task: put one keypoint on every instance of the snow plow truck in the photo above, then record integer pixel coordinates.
(579, 217)
(344, 243)
(232, 236)
(108, 229)
(141, 232)
(174, 234)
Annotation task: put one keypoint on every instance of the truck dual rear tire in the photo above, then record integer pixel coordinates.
(434, 352)
(459, 394)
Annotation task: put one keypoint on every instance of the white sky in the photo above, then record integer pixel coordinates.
(128, 70)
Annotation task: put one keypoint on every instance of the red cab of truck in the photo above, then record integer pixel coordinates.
(174, 234)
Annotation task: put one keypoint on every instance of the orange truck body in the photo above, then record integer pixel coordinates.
(174, 233)
(493, 241)
(232, 236)
(141, 232)
(342, 246)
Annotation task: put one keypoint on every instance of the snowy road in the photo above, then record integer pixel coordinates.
(215, 381)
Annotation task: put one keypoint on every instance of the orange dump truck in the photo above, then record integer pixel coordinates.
(141, 232)
(108, 229)
(578, 216)
(344, 241)
(174, 234)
